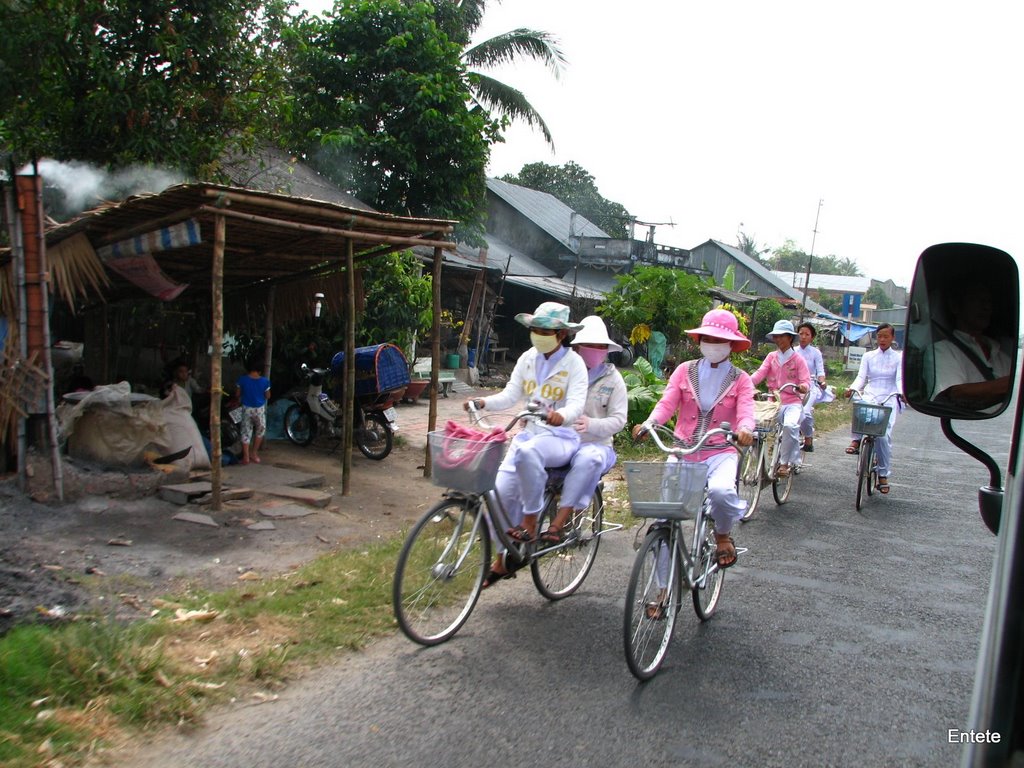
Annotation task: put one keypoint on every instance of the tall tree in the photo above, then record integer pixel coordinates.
(111, 82)
(788, 258)
(459, 19)
(575, 187)
(666, 300)
(381, 107)
(749, 246)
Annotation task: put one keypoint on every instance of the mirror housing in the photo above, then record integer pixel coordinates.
(960, 355)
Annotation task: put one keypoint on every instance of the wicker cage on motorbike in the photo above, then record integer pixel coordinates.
(382, 374)
(765, 412)
(463, 464)
(870, 419)
(673, 490)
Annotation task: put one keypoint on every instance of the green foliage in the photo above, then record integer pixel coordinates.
(643, 391)
(398, 302)
(575, 187)
(381, 107)
(830, 301)
(116, 83)
(787, 258)
(768, 312)
(667, 300)
(875, 295)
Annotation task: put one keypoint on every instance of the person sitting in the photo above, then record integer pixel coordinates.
(702, 395)
(603, 416)
(553, 375)
(785, 366)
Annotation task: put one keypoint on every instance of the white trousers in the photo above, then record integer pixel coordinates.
(789, 448)
(588, 465)
(523, 472)
(883, 446)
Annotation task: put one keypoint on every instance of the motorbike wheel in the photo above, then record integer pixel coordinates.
(374, 437)
(230, 438)
(299, 425)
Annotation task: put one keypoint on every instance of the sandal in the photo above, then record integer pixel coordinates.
(493, 577)
(809, 445)
(725, 555)
(553, 535)
(782, 471)
(853, 448)
(883, 485)
(520, 534)
(655, 611)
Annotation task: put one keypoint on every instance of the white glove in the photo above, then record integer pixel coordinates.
(582, 423)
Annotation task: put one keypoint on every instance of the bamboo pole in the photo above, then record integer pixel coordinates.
(18, 255)
(269, 334)
(435, 354)
(216, 359)
(350, 369)
(350, 218)
(367, 237)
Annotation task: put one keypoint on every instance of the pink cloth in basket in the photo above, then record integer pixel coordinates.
(463, 444)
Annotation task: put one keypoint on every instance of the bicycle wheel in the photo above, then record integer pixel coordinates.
(750, 476)
(781, 486)
(440, 571)
(374, 437)
(872, 471)
(709, 577)
(299, 425)
(559, 573)
(863, 473)
(651, 610)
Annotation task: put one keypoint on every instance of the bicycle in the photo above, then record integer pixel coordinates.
(447, 554)
(869, 420)
(672, 492)
(760, 463)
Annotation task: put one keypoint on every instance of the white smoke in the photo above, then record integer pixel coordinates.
(83, 186)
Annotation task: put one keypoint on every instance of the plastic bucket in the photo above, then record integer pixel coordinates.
(451, 361)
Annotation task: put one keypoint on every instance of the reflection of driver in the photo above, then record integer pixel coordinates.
(971, 368)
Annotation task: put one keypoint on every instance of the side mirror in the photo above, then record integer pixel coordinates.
(961, 332)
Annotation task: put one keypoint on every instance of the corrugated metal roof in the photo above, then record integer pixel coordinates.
(769, 277)
(497, 259)
(819, 282)
(556, 286)
(547, 212)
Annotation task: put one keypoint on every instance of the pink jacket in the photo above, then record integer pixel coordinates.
(735, 405)
(793, 371)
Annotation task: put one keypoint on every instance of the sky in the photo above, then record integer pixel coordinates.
(893, 125)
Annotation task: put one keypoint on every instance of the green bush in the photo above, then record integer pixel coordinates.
(643, 390)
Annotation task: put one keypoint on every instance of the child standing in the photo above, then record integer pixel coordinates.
(254, 391)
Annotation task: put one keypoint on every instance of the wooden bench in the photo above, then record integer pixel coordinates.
(445, 376)
(496, 353)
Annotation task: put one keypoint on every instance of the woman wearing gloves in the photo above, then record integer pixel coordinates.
(555, 376)
(603, 416)
(702, 394)
(786, 366)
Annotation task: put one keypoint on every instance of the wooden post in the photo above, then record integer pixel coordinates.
(269, 335)
(216, 352)
(350, 367)
(435, 354)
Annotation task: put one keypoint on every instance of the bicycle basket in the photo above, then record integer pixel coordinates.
(464, 464)
(870, 419)
(673, 490)
(765, 412)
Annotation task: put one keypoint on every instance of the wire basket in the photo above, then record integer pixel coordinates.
(870, 419)
(465, 465)
(673, 490)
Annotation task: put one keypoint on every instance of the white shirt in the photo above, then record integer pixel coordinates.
(880, 374)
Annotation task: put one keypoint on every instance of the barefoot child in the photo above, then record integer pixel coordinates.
(254, 391)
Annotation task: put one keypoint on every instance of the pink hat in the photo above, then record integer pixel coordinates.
(721, 324)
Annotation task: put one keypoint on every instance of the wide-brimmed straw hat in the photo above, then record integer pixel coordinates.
(781, 327)
(550, 315)
(721, 324)
(594, 332)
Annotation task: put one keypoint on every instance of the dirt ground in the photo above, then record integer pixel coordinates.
(111, 551)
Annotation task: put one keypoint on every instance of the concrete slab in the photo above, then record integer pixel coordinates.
(259, 476)
(306, 495)
(262, 525)
(286, 511)
(195, 517)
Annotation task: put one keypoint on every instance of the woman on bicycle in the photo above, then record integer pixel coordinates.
(603, 416)
(879, 377)
(786, 366)
(702, 394)
(816, 366)
(555, 376)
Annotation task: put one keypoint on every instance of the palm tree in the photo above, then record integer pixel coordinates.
(459, 19)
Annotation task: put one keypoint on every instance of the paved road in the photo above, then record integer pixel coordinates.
(842, 639)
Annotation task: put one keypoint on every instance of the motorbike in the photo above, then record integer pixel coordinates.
(314, 413)
(230, 420)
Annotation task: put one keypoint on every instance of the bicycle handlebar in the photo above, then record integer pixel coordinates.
(532, 412)
(860, 396)
(725, 430)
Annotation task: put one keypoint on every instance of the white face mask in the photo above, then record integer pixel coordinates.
(715, 352)
(544, 344)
